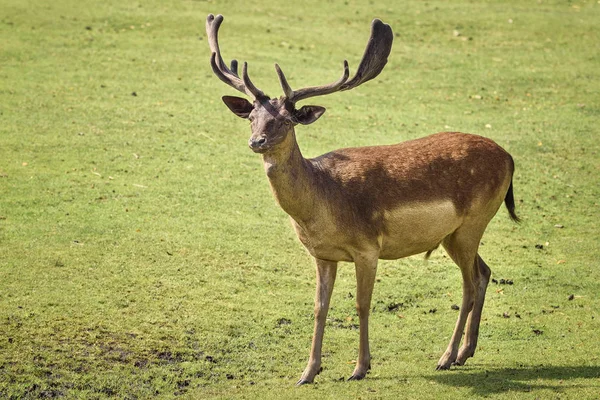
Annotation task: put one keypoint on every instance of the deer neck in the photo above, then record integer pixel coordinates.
(289, 175)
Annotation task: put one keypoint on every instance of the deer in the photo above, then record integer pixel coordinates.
(360, 205)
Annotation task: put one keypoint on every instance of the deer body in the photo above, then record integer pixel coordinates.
(382, 202)
(401, 199)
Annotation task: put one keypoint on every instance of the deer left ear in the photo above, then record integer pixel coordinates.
(308, 114)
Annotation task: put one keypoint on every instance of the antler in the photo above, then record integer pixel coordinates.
(297, 95)
(228, 75)
(374, 59)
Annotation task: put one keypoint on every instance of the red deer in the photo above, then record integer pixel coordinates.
(382, 202)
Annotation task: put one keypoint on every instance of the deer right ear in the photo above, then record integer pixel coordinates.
(308, 114)
(239, 106)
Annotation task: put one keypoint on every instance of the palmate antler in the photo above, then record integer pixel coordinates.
(372, 63)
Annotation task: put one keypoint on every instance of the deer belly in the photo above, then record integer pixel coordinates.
(416, 228)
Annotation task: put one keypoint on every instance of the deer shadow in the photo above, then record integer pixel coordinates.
(521, 379)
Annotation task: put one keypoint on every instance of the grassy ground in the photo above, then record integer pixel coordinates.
(141, 253)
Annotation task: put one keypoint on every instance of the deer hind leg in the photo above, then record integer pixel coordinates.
(366, 267)
(462, 247)
(326, 273)
(470, 343)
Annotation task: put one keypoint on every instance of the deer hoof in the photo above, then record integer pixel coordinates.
(447, 359)
(463, 355)
(303, 382)
(357, 376)
(443, 367)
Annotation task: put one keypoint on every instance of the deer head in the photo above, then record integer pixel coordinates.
(273, 119)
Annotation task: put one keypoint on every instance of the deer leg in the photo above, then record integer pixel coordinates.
(462, 247)
(326, 273)
(451, 353)
(483, 277)
(366, 267)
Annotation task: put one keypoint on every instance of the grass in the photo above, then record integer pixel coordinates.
(141, 253)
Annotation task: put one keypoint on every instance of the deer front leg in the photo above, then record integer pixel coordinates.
(366, 267)
(326, 273)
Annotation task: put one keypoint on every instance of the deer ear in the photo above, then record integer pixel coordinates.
(239, 106)
(308, 114)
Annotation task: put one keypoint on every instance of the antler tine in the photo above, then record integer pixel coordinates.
(249, 85)
(304, 93)
(229, 76)
(287, 90)
(234, 67)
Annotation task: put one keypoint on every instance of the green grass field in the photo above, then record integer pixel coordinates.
(142, 254)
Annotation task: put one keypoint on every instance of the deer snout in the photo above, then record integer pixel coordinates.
(256, 144)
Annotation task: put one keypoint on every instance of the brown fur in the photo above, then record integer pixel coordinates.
(365, 181)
